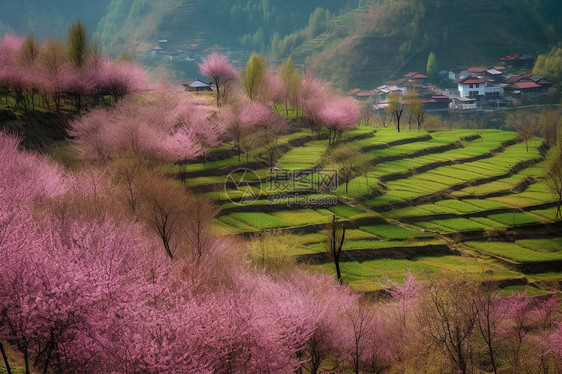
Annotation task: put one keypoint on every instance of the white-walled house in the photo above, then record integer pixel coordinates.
(472, 87)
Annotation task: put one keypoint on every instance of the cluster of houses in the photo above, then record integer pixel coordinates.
(163, 51)
(485, 87)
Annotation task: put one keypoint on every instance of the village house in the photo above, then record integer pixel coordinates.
(477, 71)
(464, 103)
(518, 61)
(455, 74)
(197, 85)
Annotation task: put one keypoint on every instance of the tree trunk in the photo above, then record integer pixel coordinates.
(48, 358)
(26, 359)
(218, 94)
(490, 349)
(6, 363)
(167, 247)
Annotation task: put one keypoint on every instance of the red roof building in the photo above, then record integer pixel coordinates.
(477, 69)
(517, 78)
(525, 86)
(470, 80)
(397, 82)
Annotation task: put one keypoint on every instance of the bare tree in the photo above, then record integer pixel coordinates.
(383, 118)
(163, 209)
(416, 111)
(336, 237)
(345, 158)
(366, 111)
(553, 175)
(525, 125)
(549, 121)
(266, 139)
(448, 315)
(491, 312)
(197, 226)
(395, 108)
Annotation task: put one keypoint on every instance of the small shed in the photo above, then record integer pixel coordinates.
(197, 85)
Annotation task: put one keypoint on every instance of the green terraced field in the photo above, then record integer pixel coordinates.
(516, 252)
(413, 193)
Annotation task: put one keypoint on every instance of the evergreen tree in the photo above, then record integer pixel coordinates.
(432, 66)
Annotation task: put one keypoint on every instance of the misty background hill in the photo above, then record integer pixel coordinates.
(353, 43)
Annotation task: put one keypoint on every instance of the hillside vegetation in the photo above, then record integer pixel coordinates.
(361, 43)
(371, 44)
(351, 43)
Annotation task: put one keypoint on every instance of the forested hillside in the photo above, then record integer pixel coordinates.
(228, 23)
(374, 43)
(351, 43)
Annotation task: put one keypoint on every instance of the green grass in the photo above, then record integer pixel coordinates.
(542, 245)
(305, 157)
(549, 214)
(459, 206)
(345, 211)
(392, 231)
(485, 204)
(514, 252)
(362, 244)
(460, 224)
(512, 219)
(373, 275)
(301, 217)
(259, 220)
(488, 223)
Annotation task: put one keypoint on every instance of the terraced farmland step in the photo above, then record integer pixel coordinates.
(533, 231)
(438, 164)
(295, 230)
(442, 194)
(367, 254)
(480, 213)
(394, 143)
(272, 207)
(225, 170)
(520, 187)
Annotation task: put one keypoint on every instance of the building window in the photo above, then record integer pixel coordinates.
(470, 86)
(477, 85)
(472, 93)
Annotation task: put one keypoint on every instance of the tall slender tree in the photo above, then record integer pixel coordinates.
(254, 74)
(292, 82)
(78, 45)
